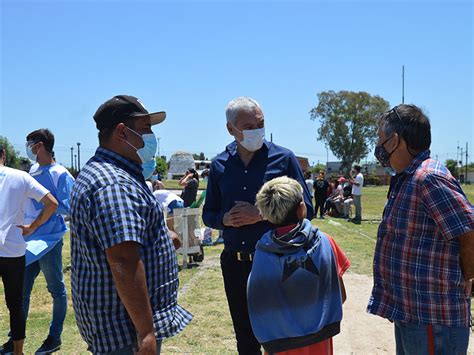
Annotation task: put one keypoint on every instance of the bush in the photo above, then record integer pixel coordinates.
(372, 180)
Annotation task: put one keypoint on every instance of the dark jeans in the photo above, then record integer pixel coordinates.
(235, 275)
(319, 204)
(12, 271)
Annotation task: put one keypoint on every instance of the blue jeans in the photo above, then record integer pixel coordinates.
(418, 339)
(130, 350)
(51, 264)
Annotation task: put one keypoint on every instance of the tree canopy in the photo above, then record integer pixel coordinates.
(348, 123)
(14, 159)
(161, 166)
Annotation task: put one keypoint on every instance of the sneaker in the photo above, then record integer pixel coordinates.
(50, 345)
(7, 348)
(355, 221)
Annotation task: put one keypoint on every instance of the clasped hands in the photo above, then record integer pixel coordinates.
(242, 214)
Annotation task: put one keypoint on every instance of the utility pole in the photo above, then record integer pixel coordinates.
(465, 177)
(78, 156)
(158, 150)
(75, 161)
(457, 160)
(327, 157)
(460, 163)
(72, 161)
(403, 84)
(271, 137)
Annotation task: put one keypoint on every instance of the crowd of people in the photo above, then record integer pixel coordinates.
(282, 275)
(335, 198)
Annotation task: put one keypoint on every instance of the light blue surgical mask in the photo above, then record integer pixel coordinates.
(154, 177)
(29, 151)
(149, 146)
(148, 168)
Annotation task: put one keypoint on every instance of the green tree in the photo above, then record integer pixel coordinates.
(161, 166)
(451, 164)
(348, 123)
(14, 160)
(199, 156)
(317, 168)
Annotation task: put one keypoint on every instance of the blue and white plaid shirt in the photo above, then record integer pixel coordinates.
(111, 204)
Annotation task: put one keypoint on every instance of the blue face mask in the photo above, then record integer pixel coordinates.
(29, 151)
(149, 146)
(154, 177)
(148, 168)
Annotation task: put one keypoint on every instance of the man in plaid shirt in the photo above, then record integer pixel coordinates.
(124, 272)
(424, 257)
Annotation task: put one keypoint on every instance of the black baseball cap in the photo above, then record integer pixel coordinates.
(122, 107)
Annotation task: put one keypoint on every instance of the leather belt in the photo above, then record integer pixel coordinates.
(241, 256)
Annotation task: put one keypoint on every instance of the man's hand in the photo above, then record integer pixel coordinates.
(242, 214)
(146, 344)
(26, 229)
(467, 255)
(175, 239)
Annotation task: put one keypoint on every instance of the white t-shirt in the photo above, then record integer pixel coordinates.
(357, 190)
(310, 185)
(16, 188)
(165, 197)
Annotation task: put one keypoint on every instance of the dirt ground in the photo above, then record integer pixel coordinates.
(362, 333)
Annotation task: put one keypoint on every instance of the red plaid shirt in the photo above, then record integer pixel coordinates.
(417, 271)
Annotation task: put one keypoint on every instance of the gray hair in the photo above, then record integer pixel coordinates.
(240, 104)
(278, 200)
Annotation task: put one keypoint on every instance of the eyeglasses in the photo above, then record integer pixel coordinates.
(394, 109)
(31, 143)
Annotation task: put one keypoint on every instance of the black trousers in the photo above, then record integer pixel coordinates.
(12, 271)
(320, 200)
(235, 275)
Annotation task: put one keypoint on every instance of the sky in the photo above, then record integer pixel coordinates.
(60, 60)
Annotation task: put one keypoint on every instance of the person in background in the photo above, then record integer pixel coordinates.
(295, 290)
(16, 189)
(49, 260)
(168, 201)
(321, 187)
(190, 182)
(334, 201)
(424, 256)
(235, 177)
(357, 182)
(310, 184)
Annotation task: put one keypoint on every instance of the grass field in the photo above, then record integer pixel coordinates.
(202, 292)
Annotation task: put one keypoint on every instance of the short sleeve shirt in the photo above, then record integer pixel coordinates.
(111, 204)
(16, 189)
(417, 271)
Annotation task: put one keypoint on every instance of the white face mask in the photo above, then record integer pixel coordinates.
(253, 138)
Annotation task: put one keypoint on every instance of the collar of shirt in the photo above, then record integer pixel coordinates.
(130, 166)
(415, 163)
